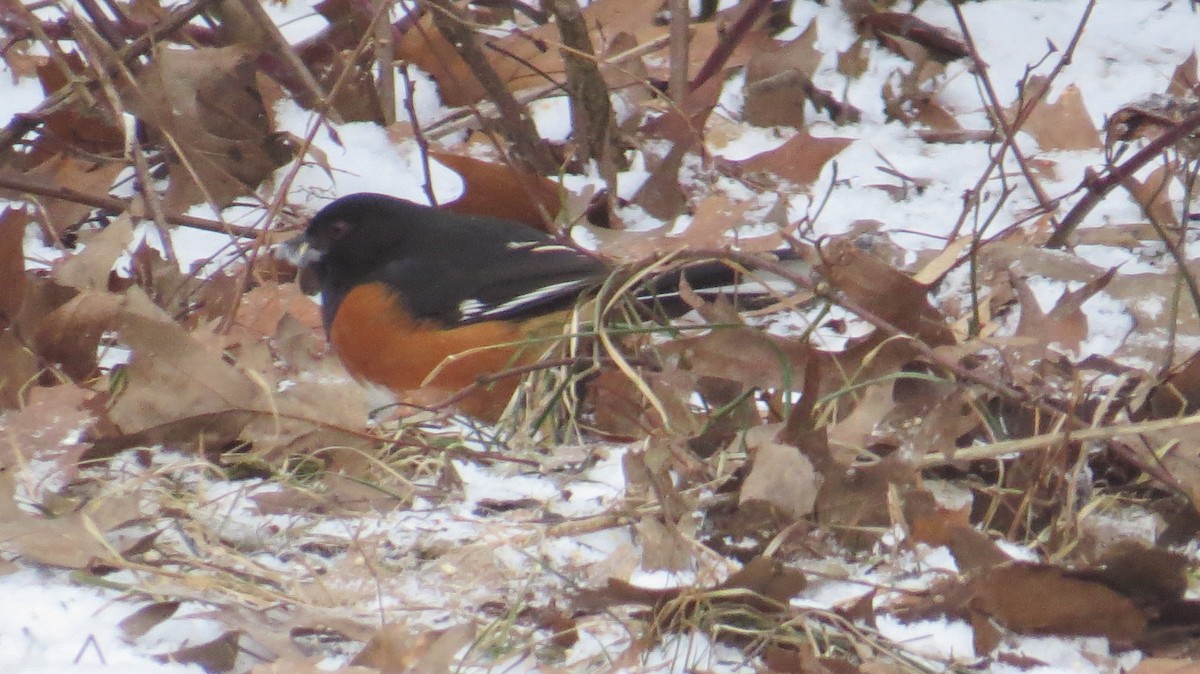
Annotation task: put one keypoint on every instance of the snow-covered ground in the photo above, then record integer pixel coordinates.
(1129, 50)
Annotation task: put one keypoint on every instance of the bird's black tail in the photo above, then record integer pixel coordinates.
(749, 287)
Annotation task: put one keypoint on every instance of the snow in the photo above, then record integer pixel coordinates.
(1129, 50)
(48, 626)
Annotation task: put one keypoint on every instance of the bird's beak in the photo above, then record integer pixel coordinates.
(298, 251)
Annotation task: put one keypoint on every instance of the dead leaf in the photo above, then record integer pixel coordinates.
(662, 195)
(881, 289)
(68, 540)
(798, 161)
(49, 429)
(171, 375)
(939, 42)
(1065, 324)
(205, 106)
(1154, 195)
(395, 649)
(929, 521)
(89, 269)
(503, 191)
(1166, 666)
(1149, 576)
(57, 216)
(1060, 125)
(1185, 83)
(70, 335)
(1042, 599)
(664, 548)
(769, 578)
(146, 618)
(218, 655)
(779, 475)
(76, 126)
(774, 94)
(18, 368)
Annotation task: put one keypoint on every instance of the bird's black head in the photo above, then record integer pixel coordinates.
(348, 241)
(357, 234)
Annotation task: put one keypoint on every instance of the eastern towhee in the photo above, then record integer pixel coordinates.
(414, 296)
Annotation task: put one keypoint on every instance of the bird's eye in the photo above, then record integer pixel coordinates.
(338, 229)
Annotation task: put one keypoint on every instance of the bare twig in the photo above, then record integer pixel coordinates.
(310, 93)
(681, 18)
(993, 100)
(1009, 130)
(419, 136)
(385, 84)
(21, 183)
(515, 121)
(591, 111)
(716, 60)
(1097, 189)
(456, 120)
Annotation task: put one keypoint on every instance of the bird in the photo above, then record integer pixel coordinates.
(414, 296)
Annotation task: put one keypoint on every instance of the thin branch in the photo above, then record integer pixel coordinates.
(384, 50)
(724, 49)
(993, 100)
(310, 92)
(681, 18)
(591, 110)
(21, 183)
(516, 123)
(1097, 189)
(1008, 139)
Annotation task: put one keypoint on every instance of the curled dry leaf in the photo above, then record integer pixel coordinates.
(203, 104)
(70, 335)
(939, 43)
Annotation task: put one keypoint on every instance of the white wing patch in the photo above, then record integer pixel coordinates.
(471, 309)
(541, 247)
